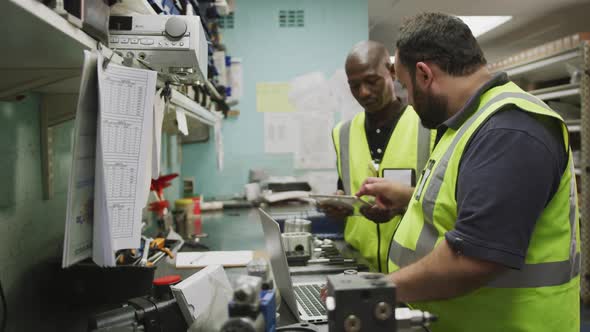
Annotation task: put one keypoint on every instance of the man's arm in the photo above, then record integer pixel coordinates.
(389, 194)
(392, 199)
(443, 274)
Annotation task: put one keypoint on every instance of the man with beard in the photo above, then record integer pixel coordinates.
(386, 138)
(490, 238)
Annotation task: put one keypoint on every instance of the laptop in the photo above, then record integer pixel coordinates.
(303, 299)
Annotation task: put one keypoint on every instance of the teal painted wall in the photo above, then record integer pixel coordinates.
(170, 162)
(32, 229)
(272, 54)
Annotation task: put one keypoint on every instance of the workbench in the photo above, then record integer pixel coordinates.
(240, 229)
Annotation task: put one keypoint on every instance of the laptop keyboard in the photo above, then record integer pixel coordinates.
(308, 296)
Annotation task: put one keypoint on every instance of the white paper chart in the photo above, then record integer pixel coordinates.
(122, 216)
(126, 133)
(122, 137)
(79, 215)
(123, 177)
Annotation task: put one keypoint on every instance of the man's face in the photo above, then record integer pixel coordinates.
(431, 108)
(371, 86)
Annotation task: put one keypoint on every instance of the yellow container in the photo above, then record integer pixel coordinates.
(186, 204)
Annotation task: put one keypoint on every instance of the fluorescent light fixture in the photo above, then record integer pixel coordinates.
(482, 24)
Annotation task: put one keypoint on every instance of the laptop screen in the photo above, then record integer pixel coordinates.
(278, 260)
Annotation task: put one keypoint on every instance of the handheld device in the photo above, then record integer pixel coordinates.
(341, 201)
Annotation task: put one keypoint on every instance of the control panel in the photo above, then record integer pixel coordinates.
(173, 45)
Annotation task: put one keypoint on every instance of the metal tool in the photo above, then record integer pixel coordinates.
(146, 250)
(299, 327)
(259, 268)
(300, 242)
(244, 310)
(366, 302)
(297, 225)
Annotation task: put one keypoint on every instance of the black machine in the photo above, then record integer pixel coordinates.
(366, 302)
(158, 312)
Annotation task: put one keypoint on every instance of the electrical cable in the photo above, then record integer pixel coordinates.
(4, 310)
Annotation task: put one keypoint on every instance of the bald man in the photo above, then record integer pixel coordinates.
(386, 140)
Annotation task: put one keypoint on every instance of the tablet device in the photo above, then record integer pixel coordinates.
(341, 200)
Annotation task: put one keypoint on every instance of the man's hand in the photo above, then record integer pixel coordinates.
(335, 211)
(379, 215)
(389, 195)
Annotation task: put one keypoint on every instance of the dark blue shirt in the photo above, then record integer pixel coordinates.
(509, 171)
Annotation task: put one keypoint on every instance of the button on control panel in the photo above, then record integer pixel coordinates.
(143, 42)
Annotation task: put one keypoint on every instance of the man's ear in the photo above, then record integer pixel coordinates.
(424, 74)
(392, 71)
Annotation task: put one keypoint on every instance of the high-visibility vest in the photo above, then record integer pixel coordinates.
(544, 294)
(408, 148)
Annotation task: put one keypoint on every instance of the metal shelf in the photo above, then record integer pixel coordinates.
(44, 52)
(553, 67)
(40, 37)
(43, 49)
(574, 128)
(559, 67)
(560, 91)
(191, 108)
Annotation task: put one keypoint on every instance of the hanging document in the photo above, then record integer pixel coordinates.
(123, 148)
(80, 204)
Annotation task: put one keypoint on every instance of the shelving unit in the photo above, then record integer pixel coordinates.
(44, 53)
(558, 92)
(43, 50)
(574, 128)
(550, 67)
(547, 68)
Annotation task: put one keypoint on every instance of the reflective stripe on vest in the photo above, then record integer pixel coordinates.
(531, 275)
(424, 137)
(345, 156)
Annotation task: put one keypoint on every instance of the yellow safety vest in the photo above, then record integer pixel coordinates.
(408, 148)
(544, 294)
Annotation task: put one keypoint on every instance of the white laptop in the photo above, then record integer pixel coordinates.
(303, 299)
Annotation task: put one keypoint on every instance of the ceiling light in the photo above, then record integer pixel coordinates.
(392, 59)
(482, 24)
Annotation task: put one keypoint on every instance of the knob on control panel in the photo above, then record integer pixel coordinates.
(175, 27)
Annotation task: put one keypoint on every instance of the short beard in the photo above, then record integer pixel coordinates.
(431, 109)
